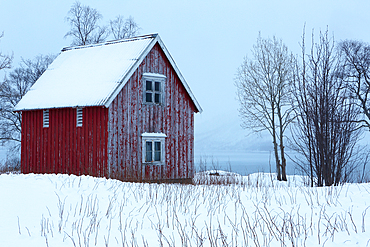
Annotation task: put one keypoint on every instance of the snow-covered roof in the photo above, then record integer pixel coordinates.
(92, 75)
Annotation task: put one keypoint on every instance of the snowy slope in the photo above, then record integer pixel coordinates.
(226, 134)
(62, 210)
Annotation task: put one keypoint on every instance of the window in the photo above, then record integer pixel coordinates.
(153, 92)
(45, 119)
(153, 148)
(79, 117)
(153, 88)
(153, 151)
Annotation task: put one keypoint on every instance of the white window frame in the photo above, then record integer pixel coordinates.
(153, 77)
(45, 118)
(79, 116)
(153, 137)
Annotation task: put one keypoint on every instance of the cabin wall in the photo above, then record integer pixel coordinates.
(63, 147)
(129, 118)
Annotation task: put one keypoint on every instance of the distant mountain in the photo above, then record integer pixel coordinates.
(226, 134)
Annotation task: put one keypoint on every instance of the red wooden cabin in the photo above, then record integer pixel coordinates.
(119, 109)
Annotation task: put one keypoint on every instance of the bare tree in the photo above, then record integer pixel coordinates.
(264, 92)
(356, 62)
(84, 25)
(5, 60)
(326, 132)
(15, 86)
(121, 28)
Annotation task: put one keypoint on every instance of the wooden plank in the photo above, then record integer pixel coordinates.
(166, 120)
(74, 129)
(42, 156)
(78, 145)
(37, 146)
(65, 149)
(121, 134)
(134, 128)
(47, 149)
(29, 159)
(49, 166)
(93, 131)
(105, 143)
(109, 142)
(23, 143)
(33, 142)
(25, 153)
(192, 146)
(96, 141)
(90, 142)
(66, 140)
(99, 139)
(127, 106)
(120, 124)
(72, 136)
(114, 140)
(140, 127)
(53, 151)
(82, 151)
(60, 140)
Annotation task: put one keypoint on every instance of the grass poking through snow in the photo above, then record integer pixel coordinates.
(219, 210)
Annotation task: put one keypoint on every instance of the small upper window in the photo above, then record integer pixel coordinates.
(79, 117)
(153, 92)
(45, 118)
(153, 88)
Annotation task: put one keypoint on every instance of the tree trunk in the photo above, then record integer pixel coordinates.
(283, 161)
(274, 141)
(278, 171)
(281, 130)
(277, 161)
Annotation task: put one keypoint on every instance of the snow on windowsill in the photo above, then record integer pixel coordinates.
(154, 75)
(153, 135)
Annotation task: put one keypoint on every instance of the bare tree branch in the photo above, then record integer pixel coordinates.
(264, 92)
(326, 131)
(84, 25)
(356, 73)
(15, 86)
(121, 28)
(5, 60)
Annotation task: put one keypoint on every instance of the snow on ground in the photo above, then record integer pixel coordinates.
(62, 210)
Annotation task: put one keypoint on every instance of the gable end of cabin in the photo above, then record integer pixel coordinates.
(151, 125)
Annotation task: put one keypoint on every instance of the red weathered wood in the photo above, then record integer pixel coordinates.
(38, 151)
(73, 147)
(61, 147)
(109, 143)
(104, 130)
(78, 148)
(23, 146)
(174, 119)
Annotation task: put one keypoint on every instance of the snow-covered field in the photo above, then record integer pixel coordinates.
(62, 210)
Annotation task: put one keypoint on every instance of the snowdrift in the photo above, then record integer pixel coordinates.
(62, 210)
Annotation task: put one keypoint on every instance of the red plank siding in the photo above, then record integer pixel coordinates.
(129, 118)
(63, 147)
(109, 143)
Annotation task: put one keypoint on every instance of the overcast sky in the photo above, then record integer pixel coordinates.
(207, 39)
